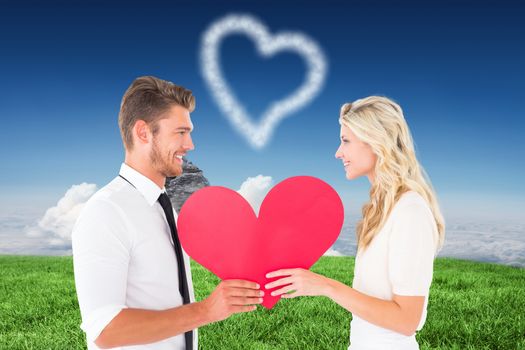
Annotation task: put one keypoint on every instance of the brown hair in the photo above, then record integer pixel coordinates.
(148, 98)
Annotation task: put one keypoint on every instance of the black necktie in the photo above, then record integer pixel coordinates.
(165, 202)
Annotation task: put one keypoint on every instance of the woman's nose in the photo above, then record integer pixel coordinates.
(338, 154)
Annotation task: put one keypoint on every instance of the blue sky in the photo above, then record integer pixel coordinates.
(456, 67)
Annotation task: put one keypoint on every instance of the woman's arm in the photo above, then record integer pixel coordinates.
(402, 314)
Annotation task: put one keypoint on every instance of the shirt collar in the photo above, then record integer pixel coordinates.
(143, 184)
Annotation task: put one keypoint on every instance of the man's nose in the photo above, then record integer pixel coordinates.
(188, 144)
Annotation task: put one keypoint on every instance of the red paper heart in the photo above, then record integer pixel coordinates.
(300, 218)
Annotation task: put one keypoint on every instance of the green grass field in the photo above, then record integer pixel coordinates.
(472, 306)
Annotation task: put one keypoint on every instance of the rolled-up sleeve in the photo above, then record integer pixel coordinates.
(412, 247)
(101, 251)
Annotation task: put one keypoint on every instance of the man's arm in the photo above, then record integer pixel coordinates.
(138, 326)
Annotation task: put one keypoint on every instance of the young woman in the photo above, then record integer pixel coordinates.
(400, 232)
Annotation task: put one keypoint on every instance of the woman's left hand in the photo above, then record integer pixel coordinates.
(302, 282)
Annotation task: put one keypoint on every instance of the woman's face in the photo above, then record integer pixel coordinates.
(357, 156)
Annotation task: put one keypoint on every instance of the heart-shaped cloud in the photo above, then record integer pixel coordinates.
(259, 134)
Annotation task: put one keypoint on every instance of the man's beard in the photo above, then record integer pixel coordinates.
(163, 165)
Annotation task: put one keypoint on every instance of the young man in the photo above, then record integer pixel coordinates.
(132, 278)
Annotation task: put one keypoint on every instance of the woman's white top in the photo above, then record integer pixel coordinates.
(399, 260)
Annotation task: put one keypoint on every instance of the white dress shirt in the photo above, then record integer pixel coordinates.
(124, 257)
(399, 260)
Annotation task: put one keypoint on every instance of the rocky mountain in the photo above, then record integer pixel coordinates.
(179, 188)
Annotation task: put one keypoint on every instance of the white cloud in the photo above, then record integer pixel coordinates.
(501, 242)
(23, 229)
(332, 252)
(495, 241)
(259, 134)
(254, 189)
(57, 223)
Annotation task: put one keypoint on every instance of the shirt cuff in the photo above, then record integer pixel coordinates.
(95, 322)
(410, 291)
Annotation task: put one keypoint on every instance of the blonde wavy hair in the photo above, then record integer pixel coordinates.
(379, 122)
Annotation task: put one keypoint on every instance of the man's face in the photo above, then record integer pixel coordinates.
(172, 141)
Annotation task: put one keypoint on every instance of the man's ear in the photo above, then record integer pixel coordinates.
(141, 132)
